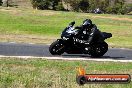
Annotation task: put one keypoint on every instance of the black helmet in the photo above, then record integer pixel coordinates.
(87, 22)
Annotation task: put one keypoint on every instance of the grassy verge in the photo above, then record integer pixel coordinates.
(46, 26)
(38, 73)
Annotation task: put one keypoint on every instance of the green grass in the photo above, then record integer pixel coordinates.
(40, 73)
(51, 23)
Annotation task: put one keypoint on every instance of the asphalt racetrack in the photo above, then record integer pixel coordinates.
(41, 51)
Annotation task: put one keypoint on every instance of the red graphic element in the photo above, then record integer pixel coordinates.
(83, 78)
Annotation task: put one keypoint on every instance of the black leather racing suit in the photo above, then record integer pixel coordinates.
(92, 34)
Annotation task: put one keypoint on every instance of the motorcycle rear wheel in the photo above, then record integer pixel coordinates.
(56, 48)
(99, 50)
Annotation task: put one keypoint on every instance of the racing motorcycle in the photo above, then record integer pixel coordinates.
(68, 44)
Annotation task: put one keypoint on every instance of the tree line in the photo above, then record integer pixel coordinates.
(106, 6)
(0, 2)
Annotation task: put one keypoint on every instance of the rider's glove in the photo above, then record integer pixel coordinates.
(77, 27)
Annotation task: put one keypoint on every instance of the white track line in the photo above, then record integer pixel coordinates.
(70, 59)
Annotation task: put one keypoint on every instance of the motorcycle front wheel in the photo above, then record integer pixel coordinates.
(56, 48)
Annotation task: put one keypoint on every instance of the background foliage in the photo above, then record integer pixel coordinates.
(0, 2)
(106, 6)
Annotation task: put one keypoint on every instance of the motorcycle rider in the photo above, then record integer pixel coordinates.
(88, 33)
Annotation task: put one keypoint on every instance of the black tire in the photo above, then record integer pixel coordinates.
(81, 80)
(56, 48)
(99, 50)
